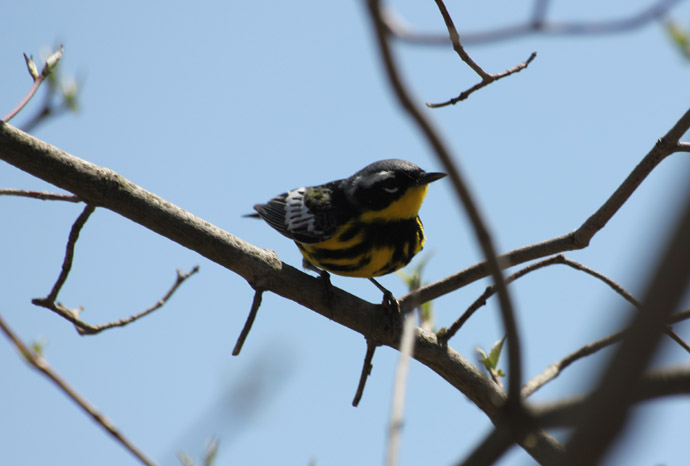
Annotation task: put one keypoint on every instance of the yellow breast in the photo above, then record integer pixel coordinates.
(405, 207)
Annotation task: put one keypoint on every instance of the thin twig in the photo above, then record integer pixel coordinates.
(366, 370)
(604, 417)
(399, 388)
(106, 188)
(85, 328)
(624, 293)
(464, 56)
(600, 276)
(42, 195)
(553, 370)
(67, 100)
(446, 335)
(578, 239)
(69, 253)
(72, 315)
(513, 403)
(484, 82)
(22, 103)
(537, 24)
(39, 363)
(50, 65)
(455, 40)
(258, 294)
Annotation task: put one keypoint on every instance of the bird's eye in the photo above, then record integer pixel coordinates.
(390, 185)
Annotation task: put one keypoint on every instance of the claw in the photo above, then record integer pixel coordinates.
(389, 301)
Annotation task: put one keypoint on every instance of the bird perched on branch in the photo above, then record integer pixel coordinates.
(362, 226)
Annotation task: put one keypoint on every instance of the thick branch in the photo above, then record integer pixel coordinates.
(104, 188)
(653, 385)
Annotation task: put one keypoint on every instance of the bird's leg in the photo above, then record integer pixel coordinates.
(325, 279)
(388, 299)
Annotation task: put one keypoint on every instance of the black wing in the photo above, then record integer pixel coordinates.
(307, 215)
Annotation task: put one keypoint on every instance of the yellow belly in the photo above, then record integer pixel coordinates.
(367, 249)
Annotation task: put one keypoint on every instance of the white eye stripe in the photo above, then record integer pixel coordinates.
(377, 178)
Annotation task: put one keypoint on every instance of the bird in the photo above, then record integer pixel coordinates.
(363, 226)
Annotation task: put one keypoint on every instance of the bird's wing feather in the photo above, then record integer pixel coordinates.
(303, 214)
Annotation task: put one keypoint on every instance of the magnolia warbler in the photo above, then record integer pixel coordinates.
(362, 226)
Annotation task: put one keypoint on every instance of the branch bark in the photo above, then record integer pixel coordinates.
(105, 188)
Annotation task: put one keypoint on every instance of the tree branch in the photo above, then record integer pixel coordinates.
(44, 196)
(445, 335)
(467, 200)
(84, 328)
(651, 386)
(607, 411)
(256, 303)
(69, 253)
(486, 78)
(105, 188)
(366, 371)
(578, 239)
(40, 364)
(537, 24)
(51, 62)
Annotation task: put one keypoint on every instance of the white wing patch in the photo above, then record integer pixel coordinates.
(297, 215)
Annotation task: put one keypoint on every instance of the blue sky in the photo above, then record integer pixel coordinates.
(216, 106)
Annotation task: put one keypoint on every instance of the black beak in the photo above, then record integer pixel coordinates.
(427, 178)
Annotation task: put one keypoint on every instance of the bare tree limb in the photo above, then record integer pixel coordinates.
(486, 78)
(651, 386)
(578, 239)
(39, 363)
(606, 413)
(538, 24)
(463, 194)
(85, 328)
(105, 188)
